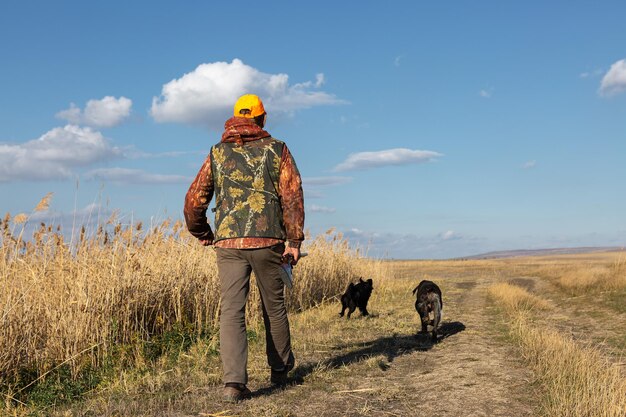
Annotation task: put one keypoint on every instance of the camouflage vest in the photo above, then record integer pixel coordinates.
(246, 189)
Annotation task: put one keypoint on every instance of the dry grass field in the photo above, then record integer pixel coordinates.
(123, 321)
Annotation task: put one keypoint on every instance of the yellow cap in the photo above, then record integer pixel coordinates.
(249, 106)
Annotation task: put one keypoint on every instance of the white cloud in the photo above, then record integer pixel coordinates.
(90, 216)
(134, 153)
(321, 209)
(485, 93)
(529, 164)
(614, 81)
(313, 185)
(396, 61)
(55, 154)
(84, 216)
(325, 181)
(107, 112)
(71, 222)
(313, 194)
(319, 81)
(398, 156)
(587, 74)
(449, 235)
(413, 246)
(206, 95)
(135, 176)
(451, 244)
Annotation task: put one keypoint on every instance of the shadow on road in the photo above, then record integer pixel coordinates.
(391, 347)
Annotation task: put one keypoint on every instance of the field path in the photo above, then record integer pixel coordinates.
(377, 365)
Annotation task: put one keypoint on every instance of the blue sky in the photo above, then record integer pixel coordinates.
(421, 130)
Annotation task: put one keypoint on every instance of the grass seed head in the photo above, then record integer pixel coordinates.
(20, 218)
(44, 204)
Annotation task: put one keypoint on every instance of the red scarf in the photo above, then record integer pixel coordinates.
(241, 129)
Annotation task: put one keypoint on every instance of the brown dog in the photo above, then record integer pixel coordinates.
(429, 300)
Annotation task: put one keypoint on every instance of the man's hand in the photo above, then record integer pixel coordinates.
(295, 252)
(208, 238)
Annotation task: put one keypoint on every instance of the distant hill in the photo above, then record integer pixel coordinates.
(543, 252)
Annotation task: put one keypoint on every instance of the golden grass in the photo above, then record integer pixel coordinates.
(577, 379)
(604, 277)
(107, 293)
(76, 305)
(516, 298)
(327, 269)
(579, 273)
(575, 273)
(319, 339)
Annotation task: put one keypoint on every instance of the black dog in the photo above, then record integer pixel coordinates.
(429, 300)
(356, 295)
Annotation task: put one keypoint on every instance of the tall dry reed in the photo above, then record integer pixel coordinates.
(76, 304)
(325, 273)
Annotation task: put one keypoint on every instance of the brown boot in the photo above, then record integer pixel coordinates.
(233, 393)
(280, 377)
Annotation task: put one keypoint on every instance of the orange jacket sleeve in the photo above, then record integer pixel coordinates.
(197, 201)
(291, 199)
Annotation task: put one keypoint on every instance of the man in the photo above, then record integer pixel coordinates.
(258, 207)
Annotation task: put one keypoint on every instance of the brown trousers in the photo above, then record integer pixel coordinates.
(234, 268)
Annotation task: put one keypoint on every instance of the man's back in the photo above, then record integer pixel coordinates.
(247, 196)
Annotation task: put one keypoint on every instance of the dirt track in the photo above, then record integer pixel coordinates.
(381, 368)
